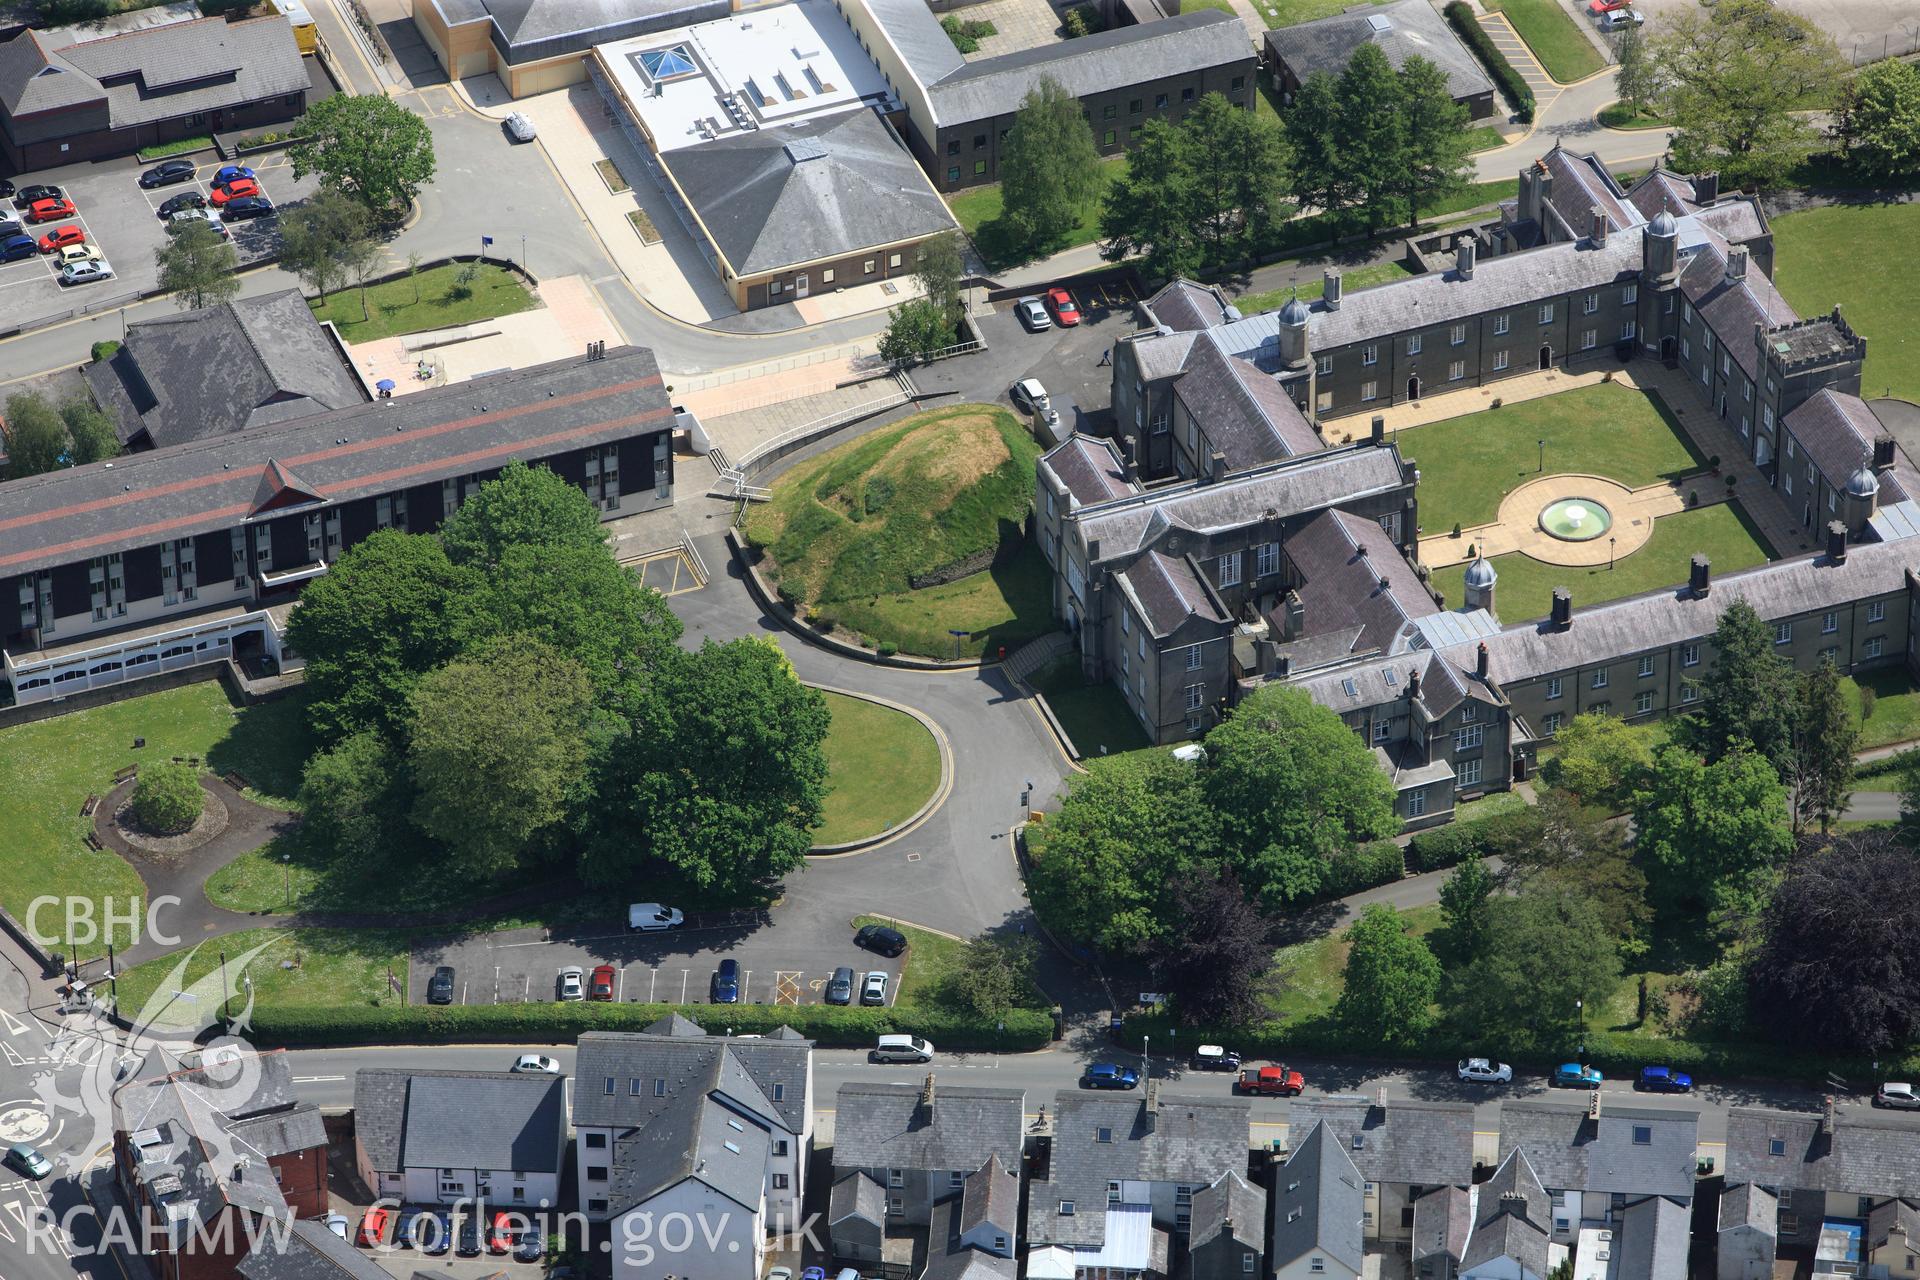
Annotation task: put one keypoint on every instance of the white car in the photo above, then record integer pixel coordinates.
(538, 1064)
(572, 986)
(85, 272)
(874, 989)
(181, 219)
(520, 128)
(338, 1224)
(1898, 1096)
(1029, 396)
(646, 917)
(82, 252)
(1033, 314)
(1485, 1071)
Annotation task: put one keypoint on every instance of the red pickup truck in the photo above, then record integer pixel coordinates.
(1276, 1081)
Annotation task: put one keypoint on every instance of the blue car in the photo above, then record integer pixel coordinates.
(814, 1273)
(1107, 1075)
(1663, 1080)
(725, 987)
(434, 1232)
(14, 248)
(1571, 1075)
(229, 172)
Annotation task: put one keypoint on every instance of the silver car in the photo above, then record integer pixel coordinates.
(519, 128)
(571, 985)
(1033, 314)
(85, 272)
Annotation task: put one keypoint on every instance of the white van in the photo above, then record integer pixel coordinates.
(901, 1049)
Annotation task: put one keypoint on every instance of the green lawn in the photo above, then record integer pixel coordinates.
(1619, 115)
(307, 967)
(426, 301)
(1373, 273)
(1095, 716)
(1468, 464)
(1857, 255)
(1490, 806)
(935, 963)
(978, 209)
(1313, 974)
(1485, 137)
(1896, 708)
(1563, 49)
(1285, 13)
(1001, 608)
(1526, 585)
(882, 766)
(179, 146)
(51, 766)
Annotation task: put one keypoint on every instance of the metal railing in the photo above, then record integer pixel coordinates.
(734, 478)
(695, 561)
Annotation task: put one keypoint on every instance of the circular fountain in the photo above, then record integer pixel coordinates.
(1575, 519)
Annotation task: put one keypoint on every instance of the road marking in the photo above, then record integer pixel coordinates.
(786, 986)
(316, 1079)
(683, 986)
(653, 980)
(746, 984)
(543, 942)
(620, 985)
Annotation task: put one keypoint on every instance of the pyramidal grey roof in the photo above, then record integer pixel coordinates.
(1748, 1205)
(615, 1074)
(857, 1196)
(1411, 28)
(1229, 1206)
(805, 192)
(34, 77)
(1319, 1204)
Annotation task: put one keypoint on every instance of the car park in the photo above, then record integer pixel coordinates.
(724, 986)
(897, 1048)
(1620, 19)
(60, 237)
(181, 219)
(10, 224)
(28, 195)
(873, 991)
(234, 173)
(1484, 1071)
(572, 983)
(440, 986)
(1033, 314)
(1898, 1096)
(648, 917)
(1663, 1080)
(245, 207)
(1572, 1075)
(6, 189)
(600, 983)
(226, 192)
(1109, 1075)
(50, 210)
(14, 248)
(373, 1227)
(519, 128)
(1273, 1081)
(78, 252)
(26, 1160)
(880, 938)
(531, 1245)
(1060, 302)
(536, 1064)
(184, 200)
(1211, 1057)
(168, 172)
(85, 272)
(840, 986)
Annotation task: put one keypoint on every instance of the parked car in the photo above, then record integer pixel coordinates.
(168, 172)
(573, 983)
(227, 192)
(1620, 19)
(85, 272)
(60, 237)
(878, 937)
(1571, 1075)
(1211, 1057)
(340, 1225)
(406, 1228)
(532, 1245)
(1060, 302)
(1484, 1071)
(14, 248)
(181, 219)
(466, 1244)
(6, 189)
(538, 1064)
(1033, 314)
(434, 1231)
(10, 224)
(813, 1273)
(440, 986)
(1663, 1080)
(234, 172)
(245, 207)
(840, 986)
(500, 1234)
(1029, 396)
(184, 200)
(1109, 1075)
(724, 986)
(895, 1048)
(1271, 1082)
(780, 1273)
(519, 128)
(28, 195)
(373, 1227)
(26, 1160)
(874, 989)
(81, 252)
(600, 983)
(647, 917)
(50, 210)
(1597, 7)
(1900, 1096)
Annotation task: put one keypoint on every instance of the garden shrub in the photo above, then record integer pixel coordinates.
(104, 349)
(167, 799)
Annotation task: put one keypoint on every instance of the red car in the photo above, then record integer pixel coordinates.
(225, 191)
(500, 1234)
(1272, 1081)
(60, 237)
(1060, 302)
(373, 1227)
(1597, 7)
(50, 210)
(600, 985)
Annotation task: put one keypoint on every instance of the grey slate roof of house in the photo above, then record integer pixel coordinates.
(1090, 468)
(1581, 182)
(1651, 1241)
(1837, 431)
(1442, 1223)
(1513, 1220)
(1167, 592)
(692, 1063)
(1244, 412)
(811, 191)
(222, 369)
(916, 34)
(1319, 1204)
(460, 1119)
(884, 1126)
(1748, 1205)
(312, 1253)
(267, 1079)
(1428, 1143)
(857, 1196)
(1569, 1152)
(1097, 63)
(1228, 1206)
(1189, 305)
(1357, 580)
(199, 1165)
(1890, 1218)
(1414, 29)
(1732, 309)
(1190, 1140)
(948, 1259)
(281, 1133)
(1867, 1155)
(35, 77)
(1162, 355)
(699, 1139)
(991, 1194)
(1660, 189)
(208, 485)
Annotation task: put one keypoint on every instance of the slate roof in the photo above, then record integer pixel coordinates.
(281, 1133)
(1229, 1206)
(884, 1126)
(530, 30)
(209, 485)
(1415, 29)
(698, 1139)
(1890, 1218)
(857, 1196)
(1732, 309)
(1651, 1241)
(266, 1078)
(750, 1072)
(991, 1194)
(1191, 1140)
(35, 77)
(1442, 1223)
(811, 191)
(1444, 685)
(1748, 1205)
(1579, 182)
(1867, 1155)
(1513, 1219)
(193, 1164)
(1356, 580)
(312, 1253)
(948, 1259)
(1428, 1143)
(1090, 468)
(1319, 1204)
(1166, 592)
(916, 35)
(1244, 413)
(1570, 1152)
(221, 369)
(460, 1119)
(1188, 305)
(1837, 431)
(1162, 355)
(1106, 60)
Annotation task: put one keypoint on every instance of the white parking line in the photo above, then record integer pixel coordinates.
(653, 980)
(620, 986)
(683, 986)
(746, 984)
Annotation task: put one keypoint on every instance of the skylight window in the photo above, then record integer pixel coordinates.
(668, 64)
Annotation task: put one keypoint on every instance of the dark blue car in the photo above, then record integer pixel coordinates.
(1108, 1075)
(229, 173)
(14, 248)
(1664, 1080)
(725, 987)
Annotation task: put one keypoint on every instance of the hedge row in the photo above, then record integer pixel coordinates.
(554, 1023)
(1368, 867)
(1445, 846)
(1509, 80)
(1885, 765)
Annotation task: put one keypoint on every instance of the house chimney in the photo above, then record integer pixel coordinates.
(1379, 436)
(1093, 551)
(1463, 257)
(1216, 466)
(1413, 683)
(926, 1092)
(1827, 1116)
(1698, 579)
(1562, 609)
(1330, 290)
(1706, 188)
(1593, 1105)
(1836, 543)
(1482, 662)
(1293, 615)
(1126, 456)
(1599, 227)
(1882, 452)
(1151, 1105)
(1736, 263)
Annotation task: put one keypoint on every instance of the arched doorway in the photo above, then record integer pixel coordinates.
(1546, 356)
(1413, 387)
(1762, 452)
(1666, 350)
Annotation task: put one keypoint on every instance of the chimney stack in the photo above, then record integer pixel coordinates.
(1593, 1105)
(1736, 263)
(1330, 290)
(1882, 452)
(1599, 227)
(1827, 1116)
(1562, 608)
(1706, 188)
(1463, 257)
(1126, 456)
(1836, 542)
(926, 1092)
(1413, 682)
(1293, 615)
(1379, 436)
(1482, 662)
(1216, 466)
(1698, 579)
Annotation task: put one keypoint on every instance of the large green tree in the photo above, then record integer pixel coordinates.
(367, 146)
(1547, 956)
(1735, 79)
(1466, 906)
(1636, 79)
(36, 438)
(323, 239)
(584, 603)
(916, 329)
(1392, 980)
(1712, 835)
(1315, 144)
(1217, 958)
(199, 267)
(1437, 143)
(520, 508)
(940, 269)
(1236, 177)
(1748, 699)
(355, 805)
(1825, 736)
(1049, 169)
(1292, 786)
(1373, 133)
(1879, 118)
(1599, 759)
(1148, 208)
(90, 433)
(1580, 850)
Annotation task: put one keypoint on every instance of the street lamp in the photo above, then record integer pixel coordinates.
(286, 876)
(1580, 1011)
(1543, 456)
(1145, 1070)
(1609, 553)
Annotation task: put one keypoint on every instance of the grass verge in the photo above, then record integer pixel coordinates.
(1896, 709)
(1286, 13)
(1096, 716)
(1854, 254)
(1619, 115)
(882, 765)
(433, 299)
(979, 212)
(289, 968)
(1359, 278)
(179, 146)
(1562, 48)
(935, 969)
(1312, 974)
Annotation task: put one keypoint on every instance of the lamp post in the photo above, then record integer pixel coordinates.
(1145, 1070)
(1543, 456)
(286, 876)
(1580, 1012)
(1609, 553)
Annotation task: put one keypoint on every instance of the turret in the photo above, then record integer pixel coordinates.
(1661, 256)
(1480, 582)
(1293, 335)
